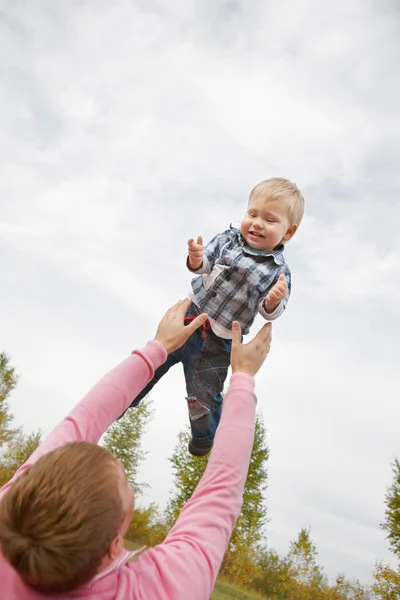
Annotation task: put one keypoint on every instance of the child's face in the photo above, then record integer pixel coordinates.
(266, 224)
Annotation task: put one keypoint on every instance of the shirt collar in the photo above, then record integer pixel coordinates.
(121, 560)
(276, 253)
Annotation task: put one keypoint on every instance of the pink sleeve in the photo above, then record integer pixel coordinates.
(92, 416)
(191, 556)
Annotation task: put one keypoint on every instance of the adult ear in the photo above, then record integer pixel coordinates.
(116, 547)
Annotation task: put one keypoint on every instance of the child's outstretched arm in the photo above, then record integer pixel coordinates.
(272, 306)
(201, 258)
(195, 254)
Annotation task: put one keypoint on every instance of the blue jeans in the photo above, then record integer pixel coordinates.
(205, 358)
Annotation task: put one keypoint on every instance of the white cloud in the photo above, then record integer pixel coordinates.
(128, 128)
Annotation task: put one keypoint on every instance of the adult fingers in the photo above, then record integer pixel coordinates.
(236, 334)
(264, 336)
(182, 305)
(196, 323)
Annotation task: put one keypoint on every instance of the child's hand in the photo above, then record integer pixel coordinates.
(195, 253)
(277, 293)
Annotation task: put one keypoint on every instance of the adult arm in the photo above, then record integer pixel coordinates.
(189, 559)
(105, 402)
(191, 555)
(92, 416)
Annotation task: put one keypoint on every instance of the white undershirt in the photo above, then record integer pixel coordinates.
(208, 280)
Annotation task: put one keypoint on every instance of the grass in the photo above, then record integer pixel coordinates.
(226, 591)
(222, 590)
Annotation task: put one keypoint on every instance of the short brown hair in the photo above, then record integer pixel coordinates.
(277, 187)
(60, 516)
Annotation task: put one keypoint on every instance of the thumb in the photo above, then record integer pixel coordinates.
(200, 240)
(236, 334)
(197, 322)
(281, 277)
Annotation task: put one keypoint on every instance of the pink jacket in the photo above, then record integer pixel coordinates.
(186, 565)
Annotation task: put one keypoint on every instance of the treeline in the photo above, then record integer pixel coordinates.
(248, 560)
(15, 446)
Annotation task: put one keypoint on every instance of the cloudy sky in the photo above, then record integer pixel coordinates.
(127, 128)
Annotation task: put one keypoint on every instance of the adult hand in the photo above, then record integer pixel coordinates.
(195, 253)
(172, 333)
(248, 358)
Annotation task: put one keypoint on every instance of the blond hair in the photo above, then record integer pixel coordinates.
(279, 188)
(60, 516)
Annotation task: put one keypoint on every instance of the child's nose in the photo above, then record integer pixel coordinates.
(257, 224)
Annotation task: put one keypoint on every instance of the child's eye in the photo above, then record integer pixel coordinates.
(252, 215)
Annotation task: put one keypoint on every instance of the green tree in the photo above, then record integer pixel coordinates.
(124, 440)
(244, 543)
(347, 589)
(386, 582)
(8, 381)
(147, 526)
(275, 577)
(391, 523)
(187, 472)
(303, 558)
(15, 446)
(16, 453)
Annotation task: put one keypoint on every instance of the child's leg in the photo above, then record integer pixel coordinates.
(206, 364)
(172, 359)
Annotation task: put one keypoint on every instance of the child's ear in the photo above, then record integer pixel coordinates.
(290, 233)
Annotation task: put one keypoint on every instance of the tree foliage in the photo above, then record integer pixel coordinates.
(147, 526)
(244, 544)
(308, 582)
(124, 440)
(239, 559)
(17, 452)
(274, 577)
(347, 589)
(187, 472)
(391, 523)
(8, 381)
(386, 582)
(15, 446)
(303, 557)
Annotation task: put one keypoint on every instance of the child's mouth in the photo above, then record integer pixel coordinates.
(255, 234)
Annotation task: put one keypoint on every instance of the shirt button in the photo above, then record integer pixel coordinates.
(235, 268)
(213, 294)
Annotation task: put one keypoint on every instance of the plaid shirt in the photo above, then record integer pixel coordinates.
(240, 289)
